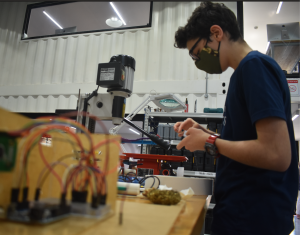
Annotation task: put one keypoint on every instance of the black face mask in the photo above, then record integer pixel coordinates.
(209, 60)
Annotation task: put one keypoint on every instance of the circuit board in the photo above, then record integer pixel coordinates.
(8, 150)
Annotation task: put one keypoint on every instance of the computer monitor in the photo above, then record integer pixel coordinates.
(284, 31)
(66, 30)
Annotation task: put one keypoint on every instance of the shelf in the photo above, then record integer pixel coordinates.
(187, 115)
(199, 174)
(175, 142)
(173, 117)
(139, 142)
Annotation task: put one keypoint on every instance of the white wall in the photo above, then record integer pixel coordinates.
(42, 75)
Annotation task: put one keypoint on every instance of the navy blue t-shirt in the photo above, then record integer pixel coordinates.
(249, 200)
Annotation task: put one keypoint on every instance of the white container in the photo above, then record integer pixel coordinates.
(180, 171)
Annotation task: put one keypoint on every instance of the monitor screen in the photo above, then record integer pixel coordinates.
(284, 31)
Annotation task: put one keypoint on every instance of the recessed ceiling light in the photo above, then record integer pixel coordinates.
(114, 22)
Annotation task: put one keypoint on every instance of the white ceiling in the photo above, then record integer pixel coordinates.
(262, 13)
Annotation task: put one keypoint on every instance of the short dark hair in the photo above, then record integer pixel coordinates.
(205, 16)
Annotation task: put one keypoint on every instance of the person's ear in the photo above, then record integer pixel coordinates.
(216, 32)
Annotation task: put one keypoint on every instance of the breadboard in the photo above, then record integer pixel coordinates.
(51, 187)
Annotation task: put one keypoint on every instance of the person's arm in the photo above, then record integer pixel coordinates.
(271, 150)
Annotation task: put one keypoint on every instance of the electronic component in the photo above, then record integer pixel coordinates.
(159, 141)
(172, 133)
(142, 172)
(209, 165)
(198, 164)
(81, 170)
(160, 130)
(85, 209)
(44, 211)
(166, 134)
(117, 76)
(8, 151)
(79, 196)
(175, 165)
(189, 164)
(176, 152)
(111, 75)
(154, 150)
(212, 126)
(128, 188)
(97, 209)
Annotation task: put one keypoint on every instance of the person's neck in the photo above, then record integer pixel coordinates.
(236, 52)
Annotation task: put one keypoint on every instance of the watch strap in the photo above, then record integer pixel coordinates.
(212, 139)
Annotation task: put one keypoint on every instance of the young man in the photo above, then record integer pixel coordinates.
(257, 175)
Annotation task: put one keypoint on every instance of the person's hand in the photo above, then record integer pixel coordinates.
(187, 124)
(195, 140)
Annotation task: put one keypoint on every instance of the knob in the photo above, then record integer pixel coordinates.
(99, 105)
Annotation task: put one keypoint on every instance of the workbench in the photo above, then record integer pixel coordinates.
(189, 220)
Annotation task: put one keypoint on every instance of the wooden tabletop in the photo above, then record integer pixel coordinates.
(190, 220)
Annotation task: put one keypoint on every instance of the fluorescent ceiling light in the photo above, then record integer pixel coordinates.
(295, 116)
(52, 19)
(267, 46)
(279, 7)
(134, 131)
(117, 12)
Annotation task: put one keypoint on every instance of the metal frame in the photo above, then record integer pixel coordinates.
(129, 117)
(270, 49)
(45, 4)
(240, 16)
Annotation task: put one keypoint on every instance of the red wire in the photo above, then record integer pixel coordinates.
(50, 168)
(44, 130)
(78, 124)
(100, 176)
(103, 127)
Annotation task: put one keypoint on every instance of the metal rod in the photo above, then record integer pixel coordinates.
(137, 128)
(206, 78)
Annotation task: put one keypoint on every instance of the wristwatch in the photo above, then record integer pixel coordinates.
(210, 146)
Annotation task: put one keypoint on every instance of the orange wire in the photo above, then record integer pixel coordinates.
(44, 130)
(100, 176)
(49, 167)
